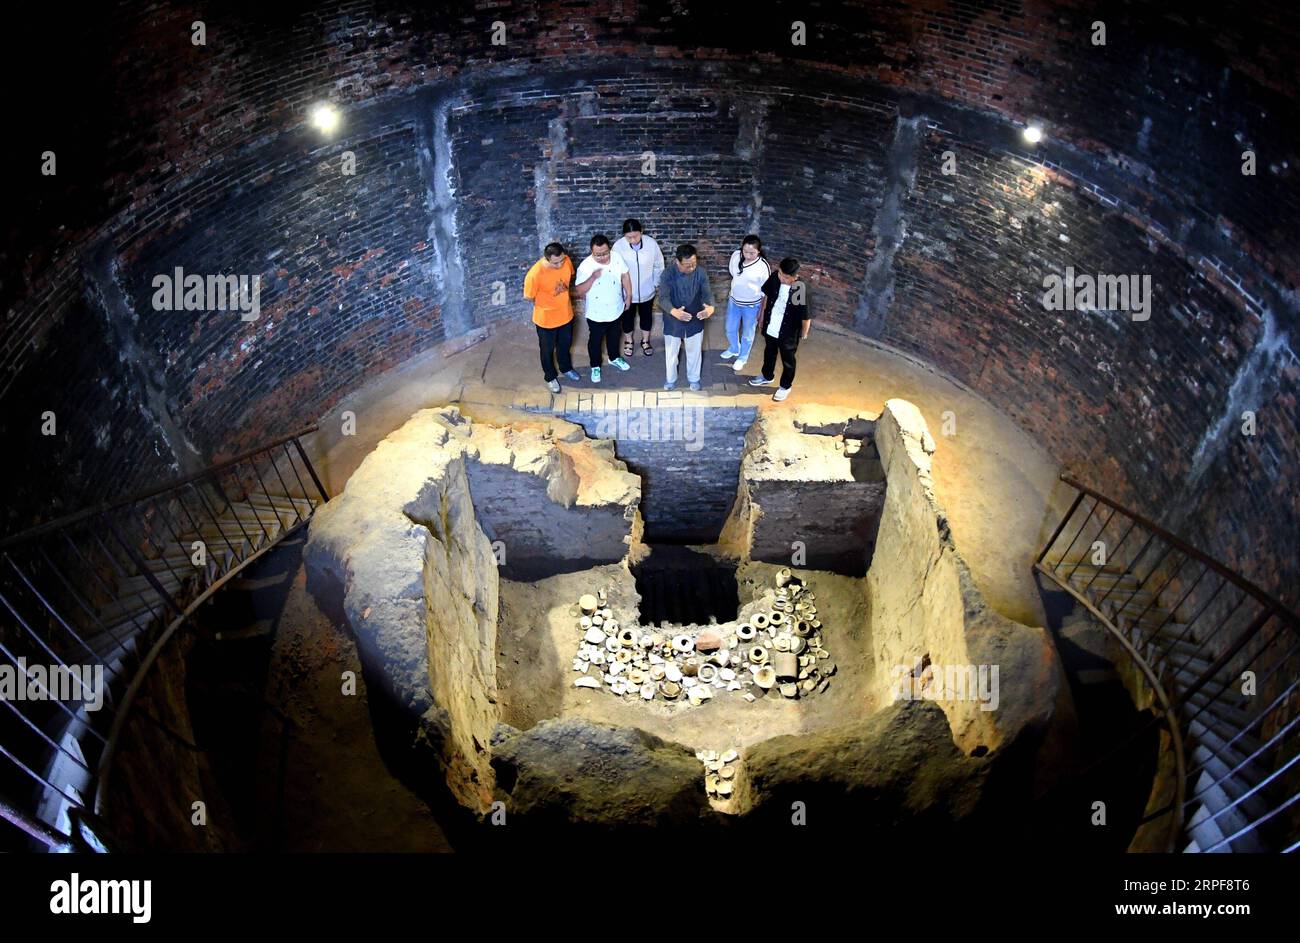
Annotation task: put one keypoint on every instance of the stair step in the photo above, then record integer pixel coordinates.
(1201, 735)
(1152, 618)
(1211, 772)
(1126, 601)
(1083, 562)
(280, 502)
(132, 585)
(1104, 580)
(263, 520)
(219, 533)
(134, 607)
(174, 561)
(1184, 652)
(1225, 706)
(1216, 817)
(1206, 832)
(113, 641)
(1216, 734)
(1143, 611)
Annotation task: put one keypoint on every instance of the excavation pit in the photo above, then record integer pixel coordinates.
(517, 692)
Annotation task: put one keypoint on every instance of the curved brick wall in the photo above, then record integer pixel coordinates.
(469, 156)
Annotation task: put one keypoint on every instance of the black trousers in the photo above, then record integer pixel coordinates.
(606, 332)
(645, 311)
(554, 344)
(787, 347)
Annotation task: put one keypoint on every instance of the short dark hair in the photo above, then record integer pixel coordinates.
(600, 239)
(552, 250)
(685, 251)
(631, 225)
(790, 265)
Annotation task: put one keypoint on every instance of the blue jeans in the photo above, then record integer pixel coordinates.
(742, 321)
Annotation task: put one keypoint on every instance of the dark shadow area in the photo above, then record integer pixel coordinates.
(226, 677)
(1118, 745)
(681, 586)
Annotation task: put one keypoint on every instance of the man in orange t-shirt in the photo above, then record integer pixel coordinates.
(547, 286)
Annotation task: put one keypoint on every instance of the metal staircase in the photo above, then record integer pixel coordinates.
(1219, 657)
(103, 590)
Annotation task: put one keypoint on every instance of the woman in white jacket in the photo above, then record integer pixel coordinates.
(645, 263)
(749, 270)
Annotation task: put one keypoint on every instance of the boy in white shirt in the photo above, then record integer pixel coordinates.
(604, 282)
(785, 323)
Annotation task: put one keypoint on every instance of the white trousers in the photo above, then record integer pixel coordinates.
(694, 347)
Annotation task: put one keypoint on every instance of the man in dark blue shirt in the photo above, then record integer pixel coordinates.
(686, 300)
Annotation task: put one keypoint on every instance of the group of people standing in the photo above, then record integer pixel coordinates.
(621, 284)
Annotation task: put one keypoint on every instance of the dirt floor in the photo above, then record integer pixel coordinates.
(537, 638)
(994, 481)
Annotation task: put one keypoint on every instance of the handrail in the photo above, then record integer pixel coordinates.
(105, 588)
(1167, 711)
(1165, 602)
(1184, 547)
(86, 513)
(150, 659)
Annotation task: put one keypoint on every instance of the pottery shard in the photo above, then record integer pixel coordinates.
(708, 641)
(587, 681)
(594, 636)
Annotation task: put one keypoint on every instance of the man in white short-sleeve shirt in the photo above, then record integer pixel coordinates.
(603, 281)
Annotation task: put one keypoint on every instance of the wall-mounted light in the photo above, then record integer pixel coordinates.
(325, 118)
(1033, 133)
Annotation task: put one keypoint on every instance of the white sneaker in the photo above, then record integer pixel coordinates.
(738, 366)
(727, 355)
(781, 393)
(553, 386)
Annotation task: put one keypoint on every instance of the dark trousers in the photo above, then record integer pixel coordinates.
(787, 347)
(554, 344)
(645, 311)
(607, 332)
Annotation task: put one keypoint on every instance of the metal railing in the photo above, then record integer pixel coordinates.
(1220, 657)
(87, 603)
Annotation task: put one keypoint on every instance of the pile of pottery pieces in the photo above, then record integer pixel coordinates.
(779, 649)
(719, 772)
